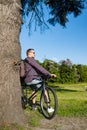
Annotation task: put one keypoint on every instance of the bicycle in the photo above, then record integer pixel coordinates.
(45, 99)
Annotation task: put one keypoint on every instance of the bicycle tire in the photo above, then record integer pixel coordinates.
(23, 97)
(53, 102)
(23, 102)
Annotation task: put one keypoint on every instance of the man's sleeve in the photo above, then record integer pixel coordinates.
(39, 67)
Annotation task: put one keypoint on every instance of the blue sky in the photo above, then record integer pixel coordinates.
(59, 43)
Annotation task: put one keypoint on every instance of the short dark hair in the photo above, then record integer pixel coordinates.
(29, 51)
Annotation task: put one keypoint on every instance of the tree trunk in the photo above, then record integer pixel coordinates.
(10, 52)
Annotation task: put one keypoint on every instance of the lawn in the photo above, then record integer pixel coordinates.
(72, 100)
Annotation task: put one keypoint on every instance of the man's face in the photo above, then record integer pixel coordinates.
(31, 54)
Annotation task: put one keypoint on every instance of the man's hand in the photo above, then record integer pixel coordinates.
(53, 75)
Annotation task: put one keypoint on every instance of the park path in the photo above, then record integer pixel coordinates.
(63, 123)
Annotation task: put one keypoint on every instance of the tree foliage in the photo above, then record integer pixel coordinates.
(52, 67)
(57, 10)
(66, 71)
(82, 73)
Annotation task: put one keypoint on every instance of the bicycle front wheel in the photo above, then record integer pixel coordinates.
(49, 99)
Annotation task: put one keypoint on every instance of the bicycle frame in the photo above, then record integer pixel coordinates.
(42, 88)
(32, 95)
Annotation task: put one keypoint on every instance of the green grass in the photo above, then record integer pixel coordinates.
(33, 116)
(75, 85)
(72, 100)
(72, 108)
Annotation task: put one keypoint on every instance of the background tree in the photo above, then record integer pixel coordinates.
(52, 67)
(79, 72)
(10, 50)
(82, 73)
(67, 72)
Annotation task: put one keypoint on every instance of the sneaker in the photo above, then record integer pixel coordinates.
(34, 107)
(50, 109)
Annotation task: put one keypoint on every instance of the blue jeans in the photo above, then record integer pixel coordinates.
(35, 82)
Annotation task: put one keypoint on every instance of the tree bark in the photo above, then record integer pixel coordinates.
(10, 52)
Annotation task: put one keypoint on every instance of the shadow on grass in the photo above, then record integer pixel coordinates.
(58, 88)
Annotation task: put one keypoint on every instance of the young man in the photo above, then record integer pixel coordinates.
(33, 72)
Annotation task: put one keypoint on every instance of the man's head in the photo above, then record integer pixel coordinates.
(30, 53)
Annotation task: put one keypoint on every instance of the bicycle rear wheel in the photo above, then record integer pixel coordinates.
(24, 102)
(52, 101)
